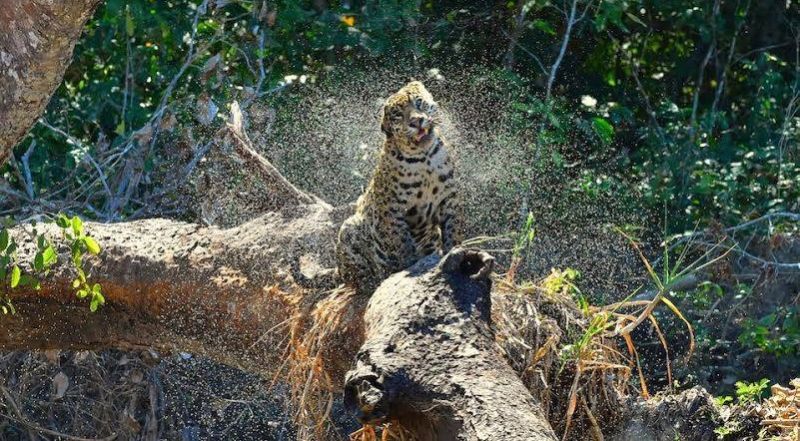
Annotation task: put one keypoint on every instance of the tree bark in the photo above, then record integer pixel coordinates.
(430, 360)
(177, 286)
(227, 294)
(36, 44)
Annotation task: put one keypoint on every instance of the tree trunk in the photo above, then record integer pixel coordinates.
(430, 360)
(177, 286)
(36, 42)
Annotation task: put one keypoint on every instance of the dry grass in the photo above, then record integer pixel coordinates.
(327, 330)
(568, 353)
(566, 359)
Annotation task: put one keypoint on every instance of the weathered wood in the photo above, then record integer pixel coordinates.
(224, 293)
(690, 415)
(430, 359)
(36, 42)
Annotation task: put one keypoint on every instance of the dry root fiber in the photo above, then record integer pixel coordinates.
(323, 332)
(391, 431)
(579, 378)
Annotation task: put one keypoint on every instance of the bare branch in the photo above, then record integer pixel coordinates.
(26, 169)
(572, 20)
(527, 52)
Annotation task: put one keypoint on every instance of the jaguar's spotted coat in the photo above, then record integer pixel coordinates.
(410, 208)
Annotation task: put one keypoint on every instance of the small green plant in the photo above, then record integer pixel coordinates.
(14, 276)
(745, 393)
(80, 243)
(10, 272)
(723, 400)
(562, 282)
(729, 428)
(523, 240)
(751, 392)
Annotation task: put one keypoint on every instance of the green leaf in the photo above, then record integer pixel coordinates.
(27, 280)
(77, 225)
(91, 245)
(603, 129)
(543, 26)
(96, 288)
(15, 276)
(82, 293)
(94, 304)
(62, 221)
(76, 283)
(76, 251)
(3, 239)
(38, 262)
(49, 255)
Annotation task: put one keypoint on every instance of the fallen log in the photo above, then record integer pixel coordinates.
(223, 293)
(430, 362)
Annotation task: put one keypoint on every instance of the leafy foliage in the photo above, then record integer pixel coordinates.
(13, 276)
(689, 104)
(80, 244)
(777, 333)
(751, 392)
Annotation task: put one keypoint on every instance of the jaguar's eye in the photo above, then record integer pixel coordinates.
(418, 103)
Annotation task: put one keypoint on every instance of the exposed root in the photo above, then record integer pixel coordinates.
(562, 356)
(326, 330)
(391, 431)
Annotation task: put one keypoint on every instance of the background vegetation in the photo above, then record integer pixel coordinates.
(677, 121)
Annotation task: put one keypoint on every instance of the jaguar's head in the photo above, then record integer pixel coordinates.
(410, 118)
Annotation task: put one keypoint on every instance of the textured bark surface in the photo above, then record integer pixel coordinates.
(690, 416)
(430, 359)
(36, 42)
(173, 286)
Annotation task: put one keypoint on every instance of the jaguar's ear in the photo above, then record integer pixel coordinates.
(385, 121)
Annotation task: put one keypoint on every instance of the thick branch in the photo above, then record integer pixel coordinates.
(36, 46)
